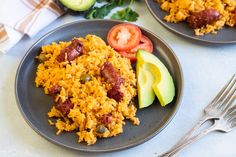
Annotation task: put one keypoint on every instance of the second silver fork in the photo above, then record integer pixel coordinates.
(215, 110)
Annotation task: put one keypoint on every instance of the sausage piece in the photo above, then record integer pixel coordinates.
(54, 90)
(202, 18)
(115, 93)
(71, 52)
(111, 75)
(64, 107)
(106, 119)
(234, 17)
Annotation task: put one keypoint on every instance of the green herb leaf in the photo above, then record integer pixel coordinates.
(126, 14)
(117, 2)
(100, 12)
(100, 1)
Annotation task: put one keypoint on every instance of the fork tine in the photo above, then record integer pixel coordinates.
(233, 121)
(233, 125)
(222, 91)
(232, 118)
(230, 89)
(227, 102)
(230, 111)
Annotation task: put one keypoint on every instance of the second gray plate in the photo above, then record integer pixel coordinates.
(224, 36)
(34, 104)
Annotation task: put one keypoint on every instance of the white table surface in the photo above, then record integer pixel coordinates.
(205, 68)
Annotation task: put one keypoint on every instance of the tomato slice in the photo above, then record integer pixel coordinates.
(145, 44)
(123, 37)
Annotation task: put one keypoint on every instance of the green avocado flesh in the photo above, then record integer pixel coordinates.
(146, 95)
(153, 79)
(78, 5)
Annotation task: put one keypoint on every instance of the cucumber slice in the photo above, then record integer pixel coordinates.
(78, 5)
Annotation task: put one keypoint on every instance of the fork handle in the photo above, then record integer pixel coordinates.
(178, 148)
(195, 127)
(190, 132)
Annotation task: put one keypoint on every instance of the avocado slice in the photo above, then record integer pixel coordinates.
(78, 5)
(163, 85)
(146, 95)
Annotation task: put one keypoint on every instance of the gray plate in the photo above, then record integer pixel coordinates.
(224, 36)
(34, 104)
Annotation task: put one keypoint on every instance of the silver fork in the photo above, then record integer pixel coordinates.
(225, 124)
(215, 110)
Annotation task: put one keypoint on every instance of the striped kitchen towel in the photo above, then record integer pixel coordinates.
(19, 17)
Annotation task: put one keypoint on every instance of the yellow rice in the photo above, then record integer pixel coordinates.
(90, 99)
(179, 10)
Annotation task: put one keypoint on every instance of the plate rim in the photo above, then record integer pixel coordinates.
(48, 138)
(183, 34)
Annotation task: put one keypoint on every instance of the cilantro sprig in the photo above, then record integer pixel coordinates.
(126, 14)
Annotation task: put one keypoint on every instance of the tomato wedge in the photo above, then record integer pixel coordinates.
(145, 44)
(123, 37)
